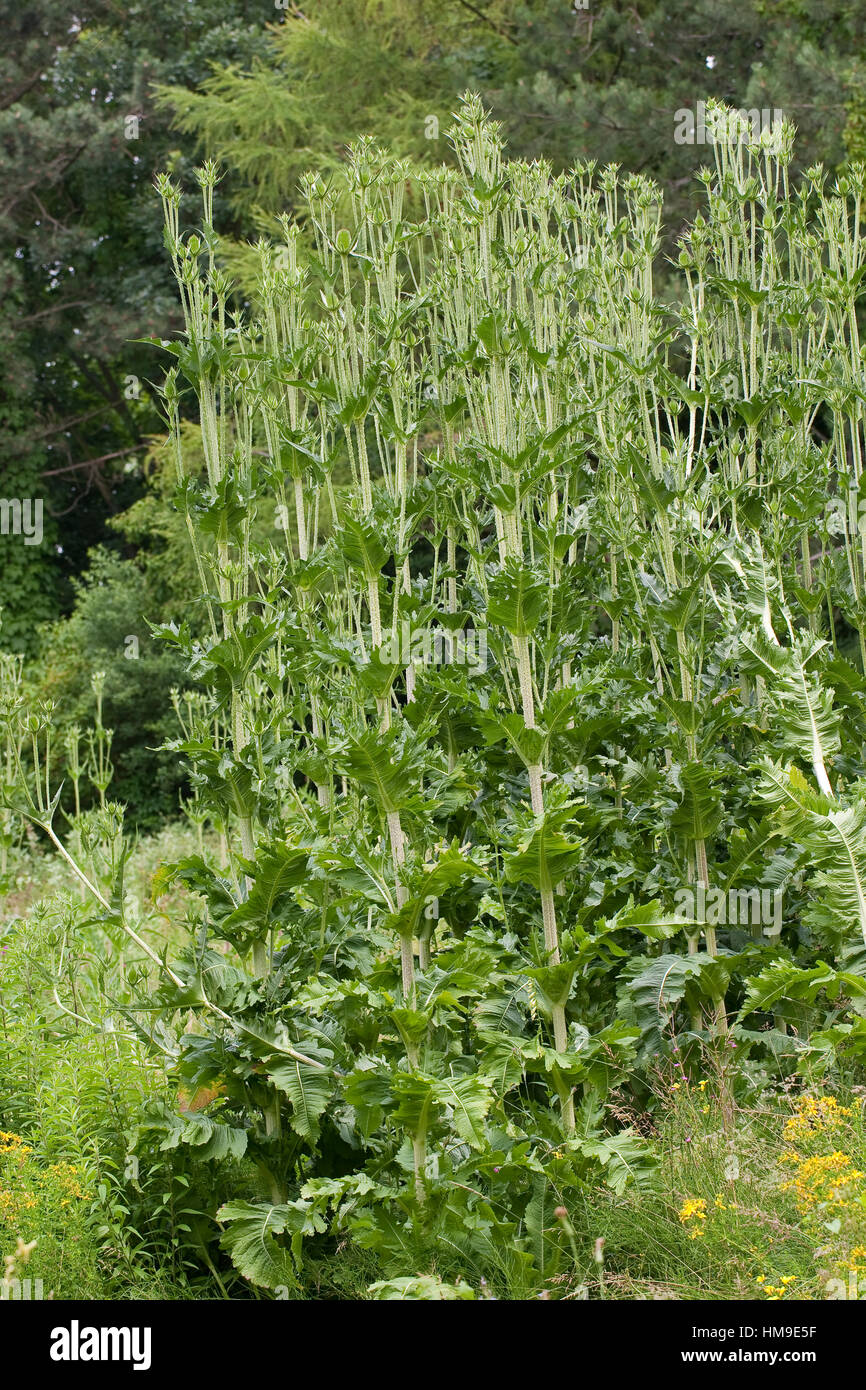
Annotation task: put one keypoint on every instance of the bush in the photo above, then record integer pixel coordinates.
(108, 631)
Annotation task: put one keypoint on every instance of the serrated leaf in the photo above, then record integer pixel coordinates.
(308, 1089)
(250, 1241)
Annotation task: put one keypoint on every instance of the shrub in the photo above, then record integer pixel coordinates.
(108, 631)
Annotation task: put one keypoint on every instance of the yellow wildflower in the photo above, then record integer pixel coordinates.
(694, 1209)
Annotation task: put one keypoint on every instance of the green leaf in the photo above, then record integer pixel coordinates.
(385, 765)
(451, 869)
(650, 919)
(517, 597)
(275, 875)
(210, 1138)
(417, 1101)
(555, 981)
(784, 979)
(368, 1090)
(425, 1288)
(362, 548)
(250, 1241)
(831, 836)
(662, 985)
(308, 1089)
(544, 854)
(470, 1100)
(803, 708)
(625, 1158)
(699, 813)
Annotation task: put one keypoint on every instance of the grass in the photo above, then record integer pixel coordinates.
(764, 1199)
(72, 1096)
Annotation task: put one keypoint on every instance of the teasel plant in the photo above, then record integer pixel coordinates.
(11, 702)
(501, 315)
(458, 397)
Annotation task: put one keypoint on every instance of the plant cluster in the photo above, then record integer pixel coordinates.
(529, 702)
(445, 928)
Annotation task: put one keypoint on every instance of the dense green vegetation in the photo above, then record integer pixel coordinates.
(433, 832)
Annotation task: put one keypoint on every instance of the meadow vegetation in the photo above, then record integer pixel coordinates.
(534, 966)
